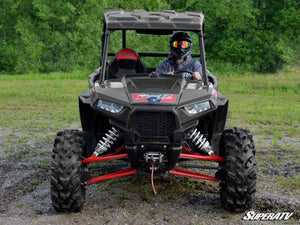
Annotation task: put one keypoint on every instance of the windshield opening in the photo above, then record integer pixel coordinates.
(146, 43)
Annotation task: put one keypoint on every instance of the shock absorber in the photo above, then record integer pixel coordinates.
(107, 141)
(200, 141)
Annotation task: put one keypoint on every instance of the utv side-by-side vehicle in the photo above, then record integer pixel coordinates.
(151, 123)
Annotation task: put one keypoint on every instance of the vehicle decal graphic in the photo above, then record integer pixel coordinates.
(214, 93)
(160, 98)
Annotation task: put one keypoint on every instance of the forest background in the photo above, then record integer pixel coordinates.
(41, 36)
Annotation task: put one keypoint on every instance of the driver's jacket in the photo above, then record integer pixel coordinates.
(170, 65)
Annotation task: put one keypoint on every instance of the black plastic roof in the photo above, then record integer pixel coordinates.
(149, 20)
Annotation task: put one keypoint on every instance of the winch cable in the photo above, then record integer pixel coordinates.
(152, 182)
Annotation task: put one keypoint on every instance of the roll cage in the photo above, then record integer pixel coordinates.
(155, 23)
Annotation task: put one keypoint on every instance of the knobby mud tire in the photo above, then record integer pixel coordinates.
(237, 192)
(67, 192)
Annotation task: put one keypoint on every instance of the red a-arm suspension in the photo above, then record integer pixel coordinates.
(131, 171)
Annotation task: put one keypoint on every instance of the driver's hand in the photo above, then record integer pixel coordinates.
(197, 76)
(172, 73)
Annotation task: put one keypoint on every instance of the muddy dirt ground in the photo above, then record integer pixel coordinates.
(25, 191)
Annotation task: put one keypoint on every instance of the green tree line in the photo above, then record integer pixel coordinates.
(64, 35)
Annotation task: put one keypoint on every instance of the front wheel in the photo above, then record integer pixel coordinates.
(67, 192)
(237, 191)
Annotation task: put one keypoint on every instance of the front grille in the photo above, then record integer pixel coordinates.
(154, 124)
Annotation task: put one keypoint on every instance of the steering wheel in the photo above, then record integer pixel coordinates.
(185, 74)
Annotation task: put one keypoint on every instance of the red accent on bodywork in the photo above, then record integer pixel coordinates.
(137, 98)
(170, 98)
(127, 54)
(214, 93)
(93, 91)
(187, 173)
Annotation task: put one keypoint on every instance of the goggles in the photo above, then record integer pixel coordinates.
(182, 44)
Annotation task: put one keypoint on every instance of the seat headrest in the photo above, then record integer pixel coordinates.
(127, 54)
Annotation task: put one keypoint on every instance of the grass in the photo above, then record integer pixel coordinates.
(267, 100)
(268, 105)
(39, 105)
(33, 108)
(80, 75)
(290, 183)
(36, 182)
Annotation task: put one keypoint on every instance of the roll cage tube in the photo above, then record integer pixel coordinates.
(106, 35)
(202, 57)
(105, 40)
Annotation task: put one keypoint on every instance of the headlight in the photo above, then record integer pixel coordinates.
(198, 107)
(109, 106)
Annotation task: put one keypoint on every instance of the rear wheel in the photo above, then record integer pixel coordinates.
(67, 193)
(237, 192)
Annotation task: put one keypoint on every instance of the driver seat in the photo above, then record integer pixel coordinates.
(126, 61)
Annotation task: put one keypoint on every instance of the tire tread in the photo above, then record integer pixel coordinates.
(67, 193)
(237, 192)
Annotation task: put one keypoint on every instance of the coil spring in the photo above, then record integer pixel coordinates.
(107, 141)
(200, 141)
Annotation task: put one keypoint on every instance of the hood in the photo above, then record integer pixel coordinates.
(157, 89)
